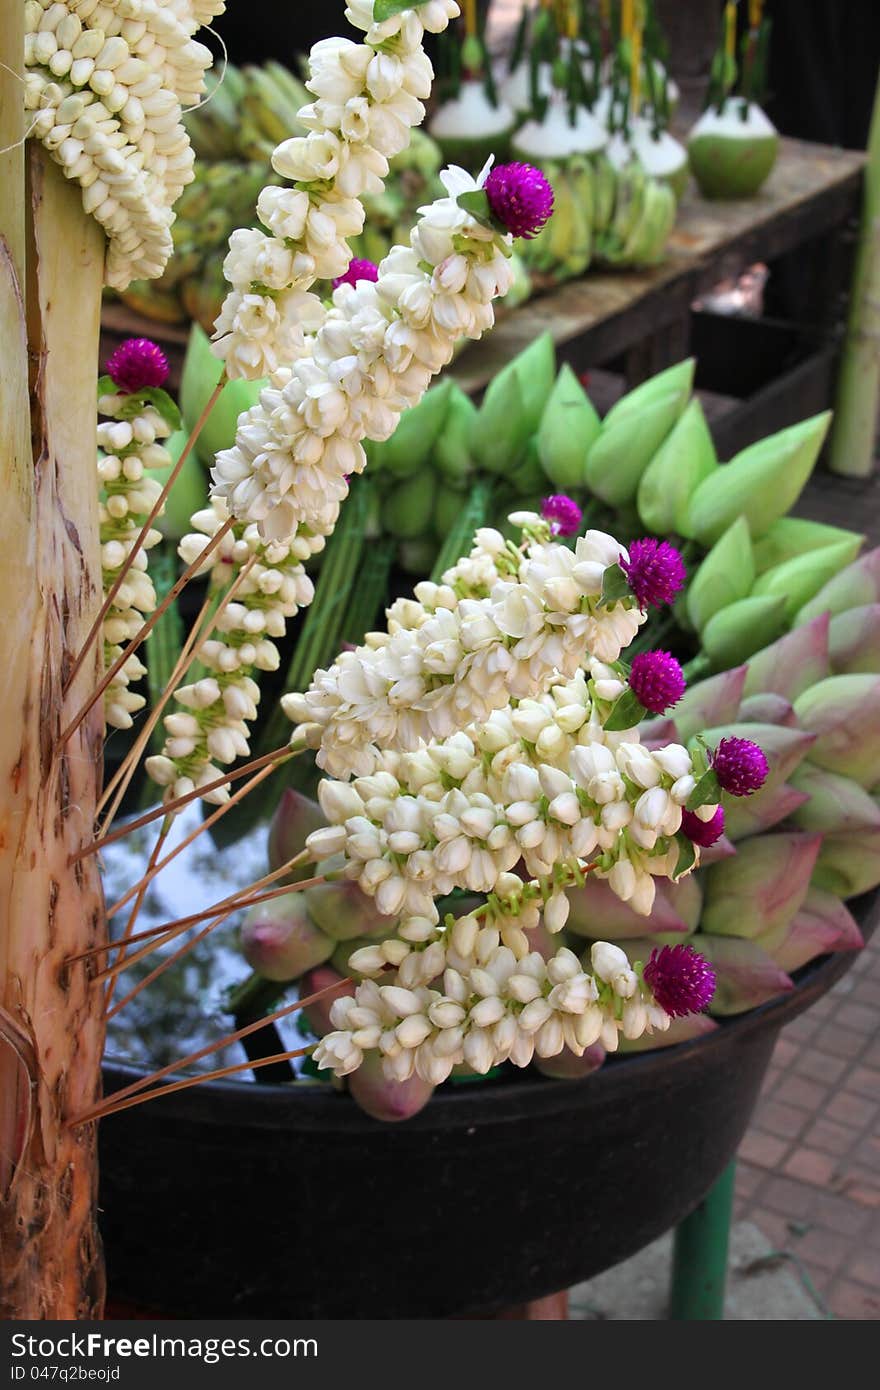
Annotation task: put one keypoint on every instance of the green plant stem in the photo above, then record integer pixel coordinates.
(371, 591)
(166, 639)
(459, 537)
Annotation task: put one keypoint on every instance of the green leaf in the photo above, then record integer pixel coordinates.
(107, 386)
(162, 402)
(687, 857)
(707, 792)
(615, 586)
(626, 713)
(387, 9)
(476, 202)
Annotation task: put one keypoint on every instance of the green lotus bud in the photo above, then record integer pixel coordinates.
(680, 1030)
(710, 702)
(791, 536)
(201, 372)
(736, 632)
(409, 448)
(678, 378)
(745, 975)
(844, 712)
(344, 911)
(784, 748)
(452, 448)
(418, 557)
(752, 815)
(189, 493)
(855, 586)
(791, 665)
(849, 864)
(626, 445)
(448, 503)
(568, 429)
(386, 1100)
(834, 803)
(294, 820)
(799, 579)
(725, 576)
(345, 949)
(598, 914)
(854, 640)
(312, 982)
(565, 1066)
(513, 405)
(279, 941)
(684, 459)
(407, 509)
(762, 483)
(528, 475)
(823, 924)
(767, 708)
(762, 887)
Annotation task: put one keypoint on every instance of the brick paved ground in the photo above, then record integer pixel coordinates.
(809, 1167)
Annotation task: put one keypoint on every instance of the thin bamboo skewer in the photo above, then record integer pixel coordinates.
(235, 903)
(277, 756)
(133, 1087)
(129, 560)
(145, 631)
(162, 967)
(111, 1109)
(193, 835)
(187, 656)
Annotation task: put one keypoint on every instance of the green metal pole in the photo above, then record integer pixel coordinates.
(699, 1269)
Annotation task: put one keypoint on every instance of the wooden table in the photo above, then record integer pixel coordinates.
(813, 195)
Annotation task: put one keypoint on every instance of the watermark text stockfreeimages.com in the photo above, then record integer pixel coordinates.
(210, 1350)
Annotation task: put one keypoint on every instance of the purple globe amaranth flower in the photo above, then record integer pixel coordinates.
(703, 832)
(521, 197)
(657, 681)
(563, 513)
(740, 766)
(655, 571)
(358, 270)
(137, 363)
(680, 979)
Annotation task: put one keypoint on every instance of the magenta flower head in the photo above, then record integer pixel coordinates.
(703, 832)
(137, 363)
(520, 197)
(680, 979)
(563, 513)
(357, 270)
(656, 680)
(740, 766)
(655, 571)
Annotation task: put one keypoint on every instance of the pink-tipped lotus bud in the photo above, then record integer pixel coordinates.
(767, 709)
(856, 585)
(543, 941)
(849, 864)
(762, 887)
(745, 975)
(751, 815)
(833, 804)
(279, 941)
(680, 1030)
(387, 1100)
(791, 665)
(657, 733)
(844, 714)
(685, 898)
(318, 1013)
(566, 1066)
(598, 914)
(293, 822)
(722, 849)
(854, 640)
(711, 702)
(823, 924)
(344, 911)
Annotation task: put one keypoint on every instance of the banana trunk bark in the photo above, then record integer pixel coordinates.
(51, 1016)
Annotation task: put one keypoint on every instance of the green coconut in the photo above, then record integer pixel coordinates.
(733, 151)
(468, 128)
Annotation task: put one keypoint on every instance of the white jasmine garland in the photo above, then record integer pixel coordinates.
(105, 84)
(129, 446)
(209, 730)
